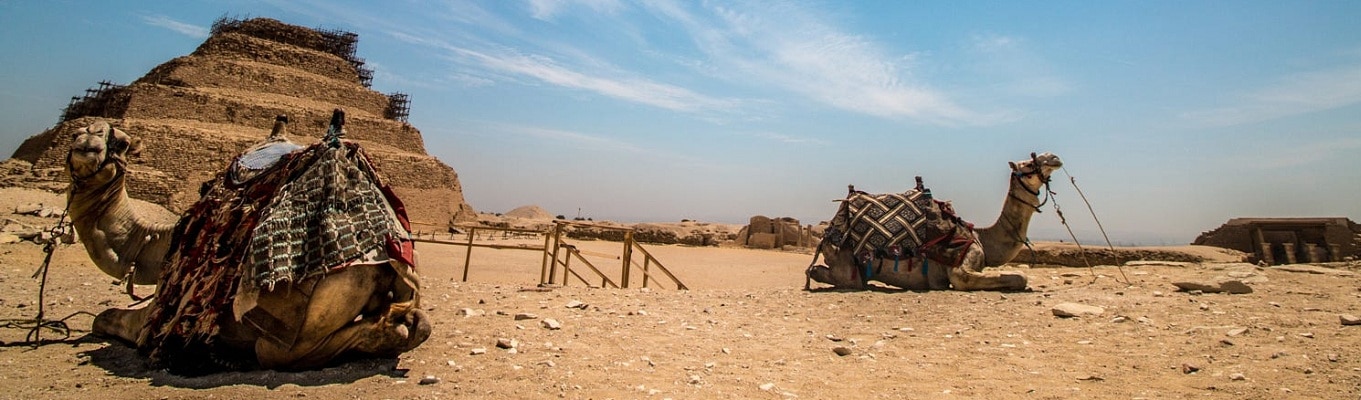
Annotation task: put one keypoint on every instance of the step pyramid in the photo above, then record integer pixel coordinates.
(195, 112)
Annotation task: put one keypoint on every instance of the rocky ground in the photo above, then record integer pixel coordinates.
(748, 330)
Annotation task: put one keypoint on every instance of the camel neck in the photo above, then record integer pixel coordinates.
(117, 239)
(1003, 240)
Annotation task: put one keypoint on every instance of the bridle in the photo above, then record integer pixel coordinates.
(1019, 178)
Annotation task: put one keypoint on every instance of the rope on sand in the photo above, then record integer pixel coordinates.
(36, 325)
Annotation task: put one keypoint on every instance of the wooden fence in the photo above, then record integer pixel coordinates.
(558, 254)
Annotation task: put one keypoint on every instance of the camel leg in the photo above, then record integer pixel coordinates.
(121, 323)
(331, 329)
(840, 278)
(967, 277)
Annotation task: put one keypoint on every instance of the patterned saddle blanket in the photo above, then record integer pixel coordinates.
(305, 213)
(898, 226)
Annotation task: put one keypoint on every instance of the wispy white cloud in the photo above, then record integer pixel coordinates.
(190, 30)
(783, 138)
(1015, 69)
(797, 50)
(1293, 95)
(575, 139)
(547, 9)
(630, 88)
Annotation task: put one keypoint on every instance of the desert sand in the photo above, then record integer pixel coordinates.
(748, 330)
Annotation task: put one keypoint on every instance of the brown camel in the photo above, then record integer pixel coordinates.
(211, 311)
(958, 261)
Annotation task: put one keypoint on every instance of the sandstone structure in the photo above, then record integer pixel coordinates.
(1288, 240)
(193, 113)
(764, 232)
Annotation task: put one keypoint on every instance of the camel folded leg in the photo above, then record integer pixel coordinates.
(122, 323)
(967, 277)
(342, 318)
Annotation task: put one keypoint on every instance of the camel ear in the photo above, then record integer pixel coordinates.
(135, 147)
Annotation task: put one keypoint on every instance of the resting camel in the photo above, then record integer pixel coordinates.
(958, 261)
(213, 315)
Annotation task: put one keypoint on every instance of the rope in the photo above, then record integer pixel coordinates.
(1110, 246)
(36, 325)
(1082, 251)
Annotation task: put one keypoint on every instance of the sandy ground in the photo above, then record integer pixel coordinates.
(748, 330)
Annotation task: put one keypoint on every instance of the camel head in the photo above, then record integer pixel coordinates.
(1034, 173)
(94, 150)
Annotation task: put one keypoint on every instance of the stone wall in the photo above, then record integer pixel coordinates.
(763, 232)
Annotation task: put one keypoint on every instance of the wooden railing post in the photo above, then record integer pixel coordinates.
(543, 271)
(468, 255)
(628, 255)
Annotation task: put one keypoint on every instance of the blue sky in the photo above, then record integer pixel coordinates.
(1174, 116)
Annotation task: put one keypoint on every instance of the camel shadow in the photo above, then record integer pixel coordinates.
(123, 361)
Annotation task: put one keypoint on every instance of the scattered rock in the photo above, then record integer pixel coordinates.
(1348, 319)
(1187, 368)
(468, 312)
(24, 209)
(1230, 286)
(842, 351)
(1332, 357)
(767, 386)
(551, 324)
(1237, 376)
(478, 350)
(1236, 331)
(507, 343)
(524, 316)
(695, 380)
(1158, 263)
(1092, 378)
(575, 304)
(1067, 310)
(428, 380)
(1313, 269)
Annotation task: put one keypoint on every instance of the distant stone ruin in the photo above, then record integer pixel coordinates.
(1288, 240)
(193, 113)
(763, 232)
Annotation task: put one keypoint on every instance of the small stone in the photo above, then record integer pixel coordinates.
(1068, 310)
(479, 350)
(1119, 319)
(767, 386)
(575, 304)
(695, 380)
(1237, 376)
(551, 324)
(1332, 357)
(1189, 368)
(507, 343)
(842, 351)
(1230, 286)
(834, 338)
(469, 312)
(1349, 320)
(1307, 335)
(452, 364)
(548, 363)
(1236, 331)
(428, 380)
(524, 316)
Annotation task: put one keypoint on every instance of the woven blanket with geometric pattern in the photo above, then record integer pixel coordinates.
(239, 236)
(331, 214)
(893, 225)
